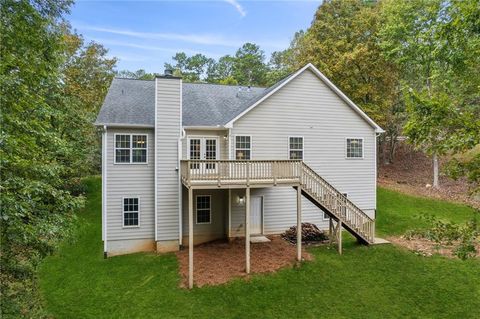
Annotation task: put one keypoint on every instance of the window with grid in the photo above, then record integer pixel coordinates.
(243, 147)
(130, 148)
(130, 211)
(203, 209)
(295, 148)
(195, 152)
(354, 148)
(210, 152)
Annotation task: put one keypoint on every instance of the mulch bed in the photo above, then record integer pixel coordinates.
(426, 247)
(218, 262)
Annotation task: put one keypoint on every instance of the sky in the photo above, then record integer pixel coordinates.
(146, 34)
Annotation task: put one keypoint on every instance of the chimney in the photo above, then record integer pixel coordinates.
(168, 73)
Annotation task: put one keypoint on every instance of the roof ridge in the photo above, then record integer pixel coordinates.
(229, 85)
(120, 78)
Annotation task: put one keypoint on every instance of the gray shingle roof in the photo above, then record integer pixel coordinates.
(132, 102)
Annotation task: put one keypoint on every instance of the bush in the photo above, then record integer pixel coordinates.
(462, 237)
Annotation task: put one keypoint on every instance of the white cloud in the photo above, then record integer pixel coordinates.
(151, 47)
(190, 38)
(237, 6)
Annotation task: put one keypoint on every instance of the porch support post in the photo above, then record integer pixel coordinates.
(247, 230)
(299, 223)
(339, 232)
(190, 238)
(330, 230)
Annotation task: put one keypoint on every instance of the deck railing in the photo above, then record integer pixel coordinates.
(240, 172)
(273, 172)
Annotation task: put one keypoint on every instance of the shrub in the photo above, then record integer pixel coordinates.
(463, 237)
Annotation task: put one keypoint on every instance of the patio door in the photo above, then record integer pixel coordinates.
(203, 148)
(256, 215)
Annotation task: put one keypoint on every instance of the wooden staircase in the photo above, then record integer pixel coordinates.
(336, 205)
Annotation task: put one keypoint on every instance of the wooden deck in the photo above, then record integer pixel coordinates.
(231, 174)
(198, 174)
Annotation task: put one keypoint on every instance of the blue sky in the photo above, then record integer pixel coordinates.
(145, 34)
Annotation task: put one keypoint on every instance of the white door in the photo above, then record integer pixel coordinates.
(203, 148)
(256, 212)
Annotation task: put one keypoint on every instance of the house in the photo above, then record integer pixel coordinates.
(187, 163)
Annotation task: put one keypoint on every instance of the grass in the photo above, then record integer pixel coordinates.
(365, 282)
(398, 212)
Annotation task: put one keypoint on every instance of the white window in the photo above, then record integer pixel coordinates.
(354, 147)
(130, 148)
(131, 209)
(325, 215)
(295, 148)
(204, 212)
(243, 147)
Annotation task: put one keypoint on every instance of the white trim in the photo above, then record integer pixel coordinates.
(131, 149)
(235, 146)
(303, 146)
(156, 163)
(179, 158)
(196, 209)
(104, 186)
(229, 232)
(322, 77)
(229, 141)
(262, 213)
(206, 128)
(123, 211)
(363, 148)
(376, 173)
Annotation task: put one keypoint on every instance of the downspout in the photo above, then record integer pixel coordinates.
(179, 173)
(104, 189)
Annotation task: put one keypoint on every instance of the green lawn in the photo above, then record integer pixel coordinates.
(365, 282)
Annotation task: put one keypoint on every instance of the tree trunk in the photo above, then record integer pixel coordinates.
(435, 171)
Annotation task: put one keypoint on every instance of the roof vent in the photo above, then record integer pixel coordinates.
(168, 72)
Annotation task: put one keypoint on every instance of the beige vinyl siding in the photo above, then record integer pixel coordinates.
(220, 134)
(130, 180)
(168, 129)
(307, 107)
(219, 214)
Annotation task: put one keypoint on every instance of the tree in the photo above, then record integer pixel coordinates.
(37, 207)
(193, 68)
(86, 76)
(140, 74)
(249, 67)
(52, 86)
(222, 71)
(435, 45)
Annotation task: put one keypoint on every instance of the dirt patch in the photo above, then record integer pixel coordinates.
(218, 262)
(412, 170)
(426, 247)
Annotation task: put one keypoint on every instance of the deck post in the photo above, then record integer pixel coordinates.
(299, 223)
(247, 230)
(330, 230)
(190, 238)
(339, 232)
